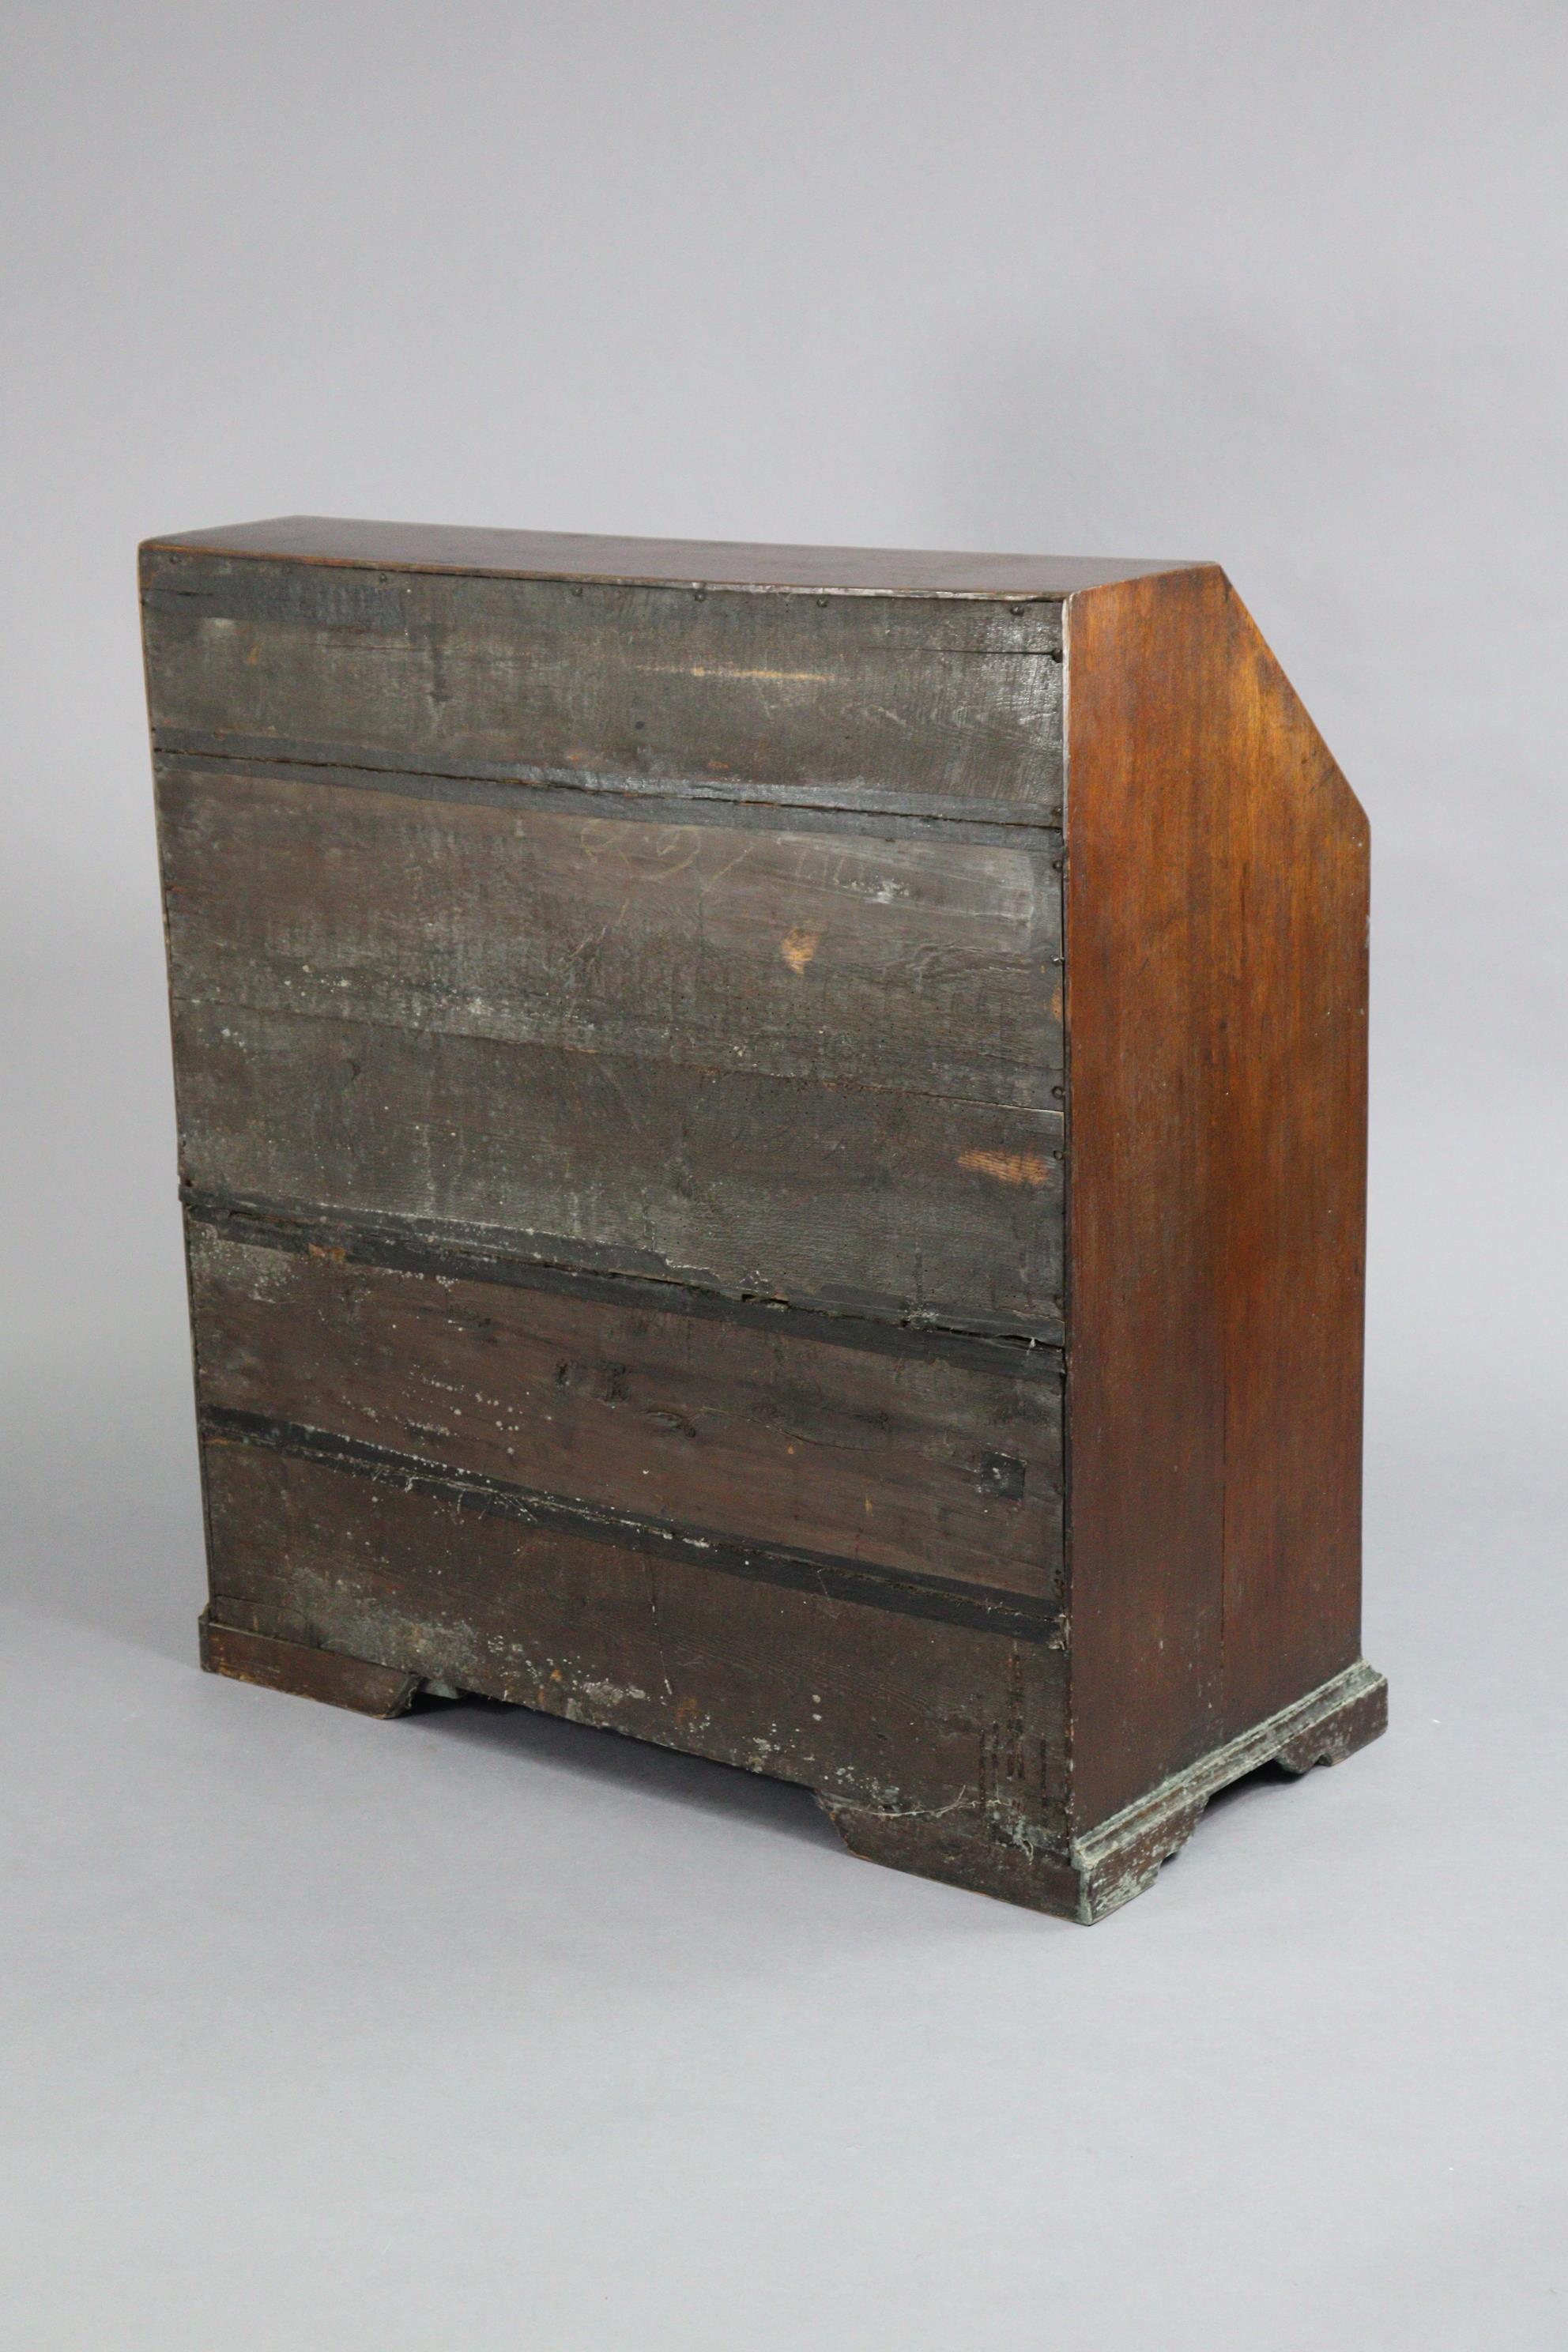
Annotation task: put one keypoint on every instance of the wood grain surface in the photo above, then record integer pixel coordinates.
(1217, 927)
(885, 1709)
(940, 1469)
(305, 1670)
(913, 963)
(839, 1197)
(812, 1066)
(932, 705)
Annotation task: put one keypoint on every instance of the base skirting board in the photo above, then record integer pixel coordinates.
(968, 1846)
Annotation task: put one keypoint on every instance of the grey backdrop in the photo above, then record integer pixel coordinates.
(482, 2030)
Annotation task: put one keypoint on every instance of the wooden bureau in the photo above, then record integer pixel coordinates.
(774, 1143)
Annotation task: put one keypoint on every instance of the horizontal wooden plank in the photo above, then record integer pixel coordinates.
(873, 1706)
(363, 1238)
(927, 1467)
(905, 963)
(940, 1599)
(839, 1196)
(934, 704)
(667, 803)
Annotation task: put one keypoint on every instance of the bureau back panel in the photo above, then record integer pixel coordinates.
(619, 1062)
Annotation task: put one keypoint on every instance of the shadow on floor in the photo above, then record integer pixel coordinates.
(674, 1779)
(1250, 1788)
(659, 1772)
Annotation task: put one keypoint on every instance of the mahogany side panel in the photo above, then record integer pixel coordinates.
(1216, 924)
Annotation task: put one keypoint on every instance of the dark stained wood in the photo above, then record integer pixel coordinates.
(453, 1254)
(730, 563)
(936, 706)
(1216, 907)
(837, 1196)
(306, 1670)
(927, 1467)
(915, 963)
(938, 1600)
(865, 1705)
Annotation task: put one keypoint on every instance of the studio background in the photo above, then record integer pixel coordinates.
(485, 2030)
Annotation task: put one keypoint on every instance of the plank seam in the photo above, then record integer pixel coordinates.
(986, 1608)
(285, 751)
(480, 1256)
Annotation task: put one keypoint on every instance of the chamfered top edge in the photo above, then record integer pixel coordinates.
(659, 562)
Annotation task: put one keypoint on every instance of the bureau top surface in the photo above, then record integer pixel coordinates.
(674, 562)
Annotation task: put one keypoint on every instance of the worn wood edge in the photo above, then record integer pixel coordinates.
(740, 566)
(304, 1671)
(631, 800)
(1123, 1856)
(989, 1848)
(614, 790)
(986, 1849)
(541, 1262)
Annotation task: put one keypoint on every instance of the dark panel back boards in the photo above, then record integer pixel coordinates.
(772, 1143)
